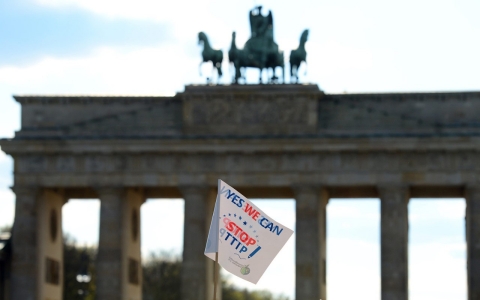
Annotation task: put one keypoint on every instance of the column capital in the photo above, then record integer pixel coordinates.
(390, 192)
(309, 196)
(305, 189)
(194, 189)
(472, 190)
(393, 186)
(103, 191)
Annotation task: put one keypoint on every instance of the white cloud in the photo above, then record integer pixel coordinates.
(436, 209)
(4, 157)
(349, 209)
(452, 209)
(156, 70)
(184, 17)
(353, 269)
(161, 223)
(162, 226)
(140, 9)
(9, 115)
(80, 219)
(348, 49)
(7, 207)
(435, 265)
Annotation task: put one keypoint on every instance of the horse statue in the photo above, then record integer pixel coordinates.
(237, 59)
(297, 56)
(210, 54)
(260, 51)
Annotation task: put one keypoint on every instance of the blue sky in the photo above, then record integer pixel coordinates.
(149, 47)
(31, 33)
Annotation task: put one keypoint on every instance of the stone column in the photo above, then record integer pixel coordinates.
(131, 250)
(210, 268)
(394, 242)
(119, 259)
(310, 248)
(197, 269)
(24, 244)
(50, 245)
(472, 196)
(37, 260)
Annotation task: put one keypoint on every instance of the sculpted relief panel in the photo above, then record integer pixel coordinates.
(249, 111)
(247, 115)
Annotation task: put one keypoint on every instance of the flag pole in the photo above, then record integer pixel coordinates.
(215, 276)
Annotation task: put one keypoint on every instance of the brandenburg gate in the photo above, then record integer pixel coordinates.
(268, 141)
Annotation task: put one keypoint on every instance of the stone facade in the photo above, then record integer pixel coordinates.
(281, 141)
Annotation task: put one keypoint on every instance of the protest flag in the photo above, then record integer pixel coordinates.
(242, 238)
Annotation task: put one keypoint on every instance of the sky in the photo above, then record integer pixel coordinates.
(150, 47)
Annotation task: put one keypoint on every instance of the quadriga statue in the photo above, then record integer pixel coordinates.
(260, 51)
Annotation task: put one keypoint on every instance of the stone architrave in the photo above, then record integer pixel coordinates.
(473, 241)
(310, 249)
(119, 258)
(394, 241)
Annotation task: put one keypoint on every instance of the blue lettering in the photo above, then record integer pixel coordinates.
(233, 241)
(238, 245)
(228, 235)
(230, 194)
(270, 226)
(235, 198)
(277, 230)
(261, 222)
(240, 204)
(244, 249)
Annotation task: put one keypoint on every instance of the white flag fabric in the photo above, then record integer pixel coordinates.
(246, 239)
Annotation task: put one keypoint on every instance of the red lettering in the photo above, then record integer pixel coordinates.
(228, 224)
(238, 232)
(249, 210)
(256, 215)
(244, 236)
